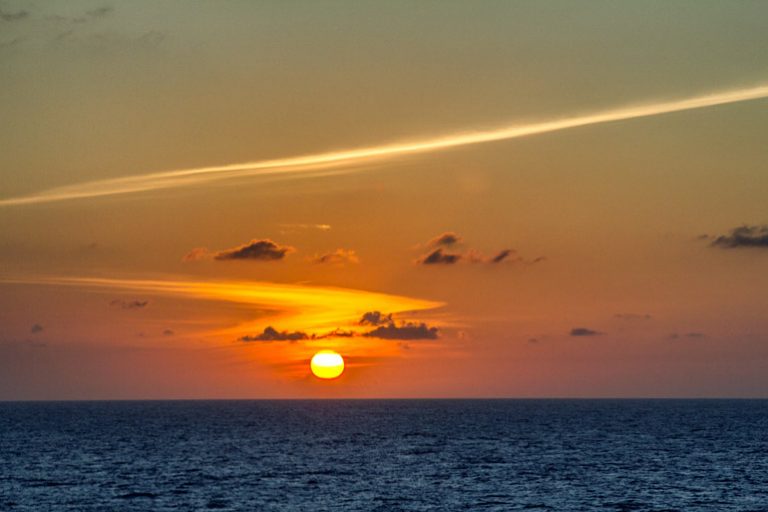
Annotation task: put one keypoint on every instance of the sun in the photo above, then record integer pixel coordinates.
(327, 364)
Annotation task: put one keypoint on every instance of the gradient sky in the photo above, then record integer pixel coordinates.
(638, 247)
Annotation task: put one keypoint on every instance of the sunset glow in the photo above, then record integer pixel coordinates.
(460, 199)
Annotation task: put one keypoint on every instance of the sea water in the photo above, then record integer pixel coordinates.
(386, 455)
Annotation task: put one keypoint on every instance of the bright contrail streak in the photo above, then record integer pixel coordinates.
(319, 161)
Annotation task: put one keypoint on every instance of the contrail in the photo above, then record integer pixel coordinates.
(319, 161)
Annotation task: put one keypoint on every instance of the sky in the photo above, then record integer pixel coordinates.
(485, 199)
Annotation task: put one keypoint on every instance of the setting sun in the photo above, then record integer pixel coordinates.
(327, 364)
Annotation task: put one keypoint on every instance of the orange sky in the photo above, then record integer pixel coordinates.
(513, 199)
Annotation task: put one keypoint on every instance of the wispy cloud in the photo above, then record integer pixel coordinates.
(315, 309)
(323, 161)
(287, 228)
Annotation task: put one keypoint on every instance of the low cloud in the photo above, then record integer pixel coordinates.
(129, 304)
(255, 250)
(438, 257)
(511, 256)
(336, 333)
(375, 318)
(272, 334)
(13, 16)
(196, 254)
(438, 254)
(405, 331)
(583, 331)
(503, 255)
(337, 257)
(743, 236)
(447, 239)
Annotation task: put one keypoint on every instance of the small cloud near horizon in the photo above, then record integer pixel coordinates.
(693, 335)
(375, 318)
(405, 331)
(583, 331)
(447, 239)
(337, 257)
(255, 250)
(743, 236)
(438, 257)
(129, 304)
(272, 334)
(438, 254)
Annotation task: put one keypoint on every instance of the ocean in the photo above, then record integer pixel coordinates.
(385, 455)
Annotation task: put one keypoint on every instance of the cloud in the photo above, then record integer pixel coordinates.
(318, 163)
(13, 16)
(375, 318)
(91, 15)
(36, 329)
(100, 12)
(196, 254)
(506, 253)
(337, 257)
(388, 330)
(438, 257)
(447, 239)
(438, 254)
(12, 42)
(583, 331)
(336, 333)
(304, 307)
(295, 227)
(693, 335)
(632, 316)
(129, 304)
(272, 334)
(259, 250)
(743, 236)
(405, 331)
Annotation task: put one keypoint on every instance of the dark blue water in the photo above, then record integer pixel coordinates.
(385, 455)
